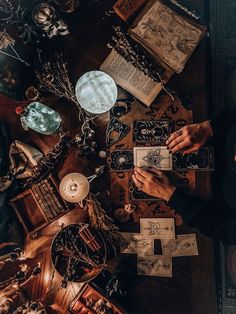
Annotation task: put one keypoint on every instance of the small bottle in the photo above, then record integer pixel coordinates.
(39, 118)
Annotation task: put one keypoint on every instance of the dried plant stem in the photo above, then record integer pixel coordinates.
(124, 45)
(54, 78)
(47, 164)
(102, 222)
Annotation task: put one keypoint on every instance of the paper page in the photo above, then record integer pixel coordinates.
(130, 78)
(166, 34)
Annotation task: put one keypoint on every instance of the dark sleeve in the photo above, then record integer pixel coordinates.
(207, 216)
(222, 122)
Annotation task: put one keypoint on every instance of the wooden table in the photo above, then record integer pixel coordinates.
(191, 290)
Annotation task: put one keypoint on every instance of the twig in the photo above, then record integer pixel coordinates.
(102, 222)
(54, 78)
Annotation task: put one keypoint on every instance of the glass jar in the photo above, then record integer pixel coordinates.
(39, 118)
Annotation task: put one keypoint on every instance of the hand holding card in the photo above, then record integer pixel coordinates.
(153, 182)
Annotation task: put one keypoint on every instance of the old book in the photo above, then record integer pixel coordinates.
(168, 36)
(130, 78)
(126, 9)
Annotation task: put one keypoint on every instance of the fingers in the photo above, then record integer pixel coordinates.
(147, 174)
(175, 142)
(171, 138)
(139, 177)
(158, 172)
(136, 182)
(180, 146)
(190, 150)
(174, 135)
(142, 172)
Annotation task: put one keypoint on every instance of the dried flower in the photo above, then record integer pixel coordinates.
(50, 161)
(15, 14)
(100, 220)
(124, 45)
(54, 78)
(5, 40)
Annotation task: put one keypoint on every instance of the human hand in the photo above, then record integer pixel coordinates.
(190, 138)
(153, 182)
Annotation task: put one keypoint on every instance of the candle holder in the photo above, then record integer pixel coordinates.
(75, 187)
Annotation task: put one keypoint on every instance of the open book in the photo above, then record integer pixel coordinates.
(170, 37)
(130, 78)
(164, 34)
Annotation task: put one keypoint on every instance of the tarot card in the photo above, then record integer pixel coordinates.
(156, 265)
(184, 245)
(151, 131)
(137, 194)
(157, 228)
(158, 157)
(138, 244)
(120, 160)
(201, 160)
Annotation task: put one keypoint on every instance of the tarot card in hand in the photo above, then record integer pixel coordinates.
(157, 228)
(120, 160)
(156, 132)
(157, 157)
(199, 160)
(184, 245)
(138, 244)
(156, 265)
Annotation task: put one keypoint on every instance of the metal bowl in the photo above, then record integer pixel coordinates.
(72, 268)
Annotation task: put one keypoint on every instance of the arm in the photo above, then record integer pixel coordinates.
(192, 137)
(222, 123)
(212, 218)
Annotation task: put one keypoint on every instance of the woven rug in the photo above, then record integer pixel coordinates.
(226, 275)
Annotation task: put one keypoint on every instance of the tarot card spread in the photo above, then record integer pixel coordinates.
(138, 244)
(157, 228)
(158, 157)
(151, 131)
(184, 245)
(154, 266)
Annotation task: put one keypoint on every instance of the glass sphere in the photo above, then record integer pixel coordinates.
(96, 92)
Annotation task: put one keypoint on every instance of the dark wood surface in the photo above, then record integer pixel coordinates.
(192, 288)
